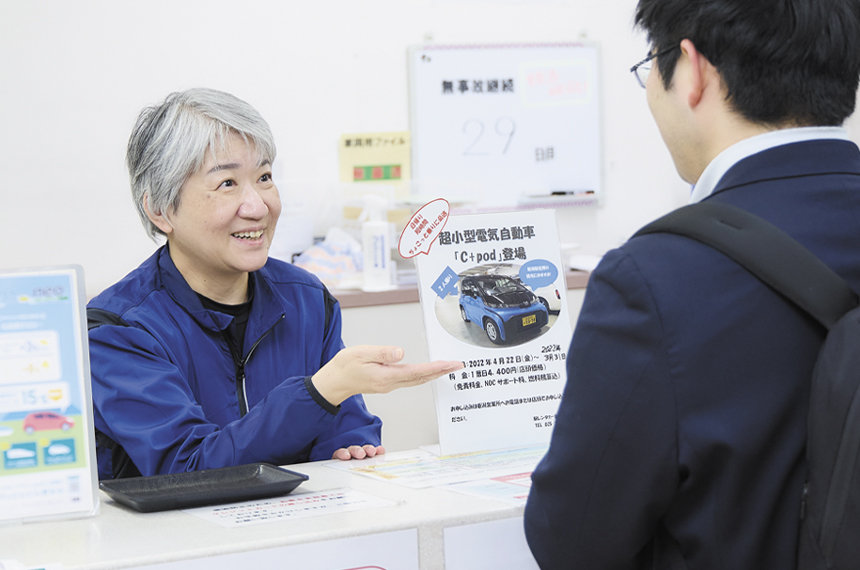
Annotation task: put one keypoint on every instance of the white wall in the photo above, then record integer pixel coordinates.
(74, 75)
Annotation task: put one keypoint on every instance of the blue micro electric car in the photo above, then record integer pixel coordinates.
(501, 305)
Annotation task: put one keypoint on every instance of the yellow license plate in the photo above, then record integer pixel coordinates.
(529, 320)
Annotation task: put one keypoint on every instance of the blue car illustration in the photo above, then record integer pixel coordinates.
(501, 305)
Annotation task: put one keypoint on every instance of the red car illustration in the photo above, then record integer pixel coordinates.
(38, 421)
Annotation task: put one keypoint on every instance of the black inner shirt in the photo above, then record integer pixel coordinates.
(235, 333)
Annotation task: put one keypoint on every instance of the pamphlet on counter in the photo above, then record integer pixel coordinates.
(493, 294)
(47, 457)
(503, 474)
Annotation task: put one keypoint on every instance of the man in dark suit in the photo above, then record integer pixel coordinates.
(679, 441)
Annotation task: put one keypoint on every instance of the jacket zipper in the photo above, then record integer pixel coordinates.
(241, 393)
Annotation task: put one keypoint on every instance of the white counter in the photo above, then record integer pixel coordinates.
(413, 527)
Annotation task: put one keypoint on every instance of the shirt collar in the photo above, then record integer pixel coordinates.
(732, 155)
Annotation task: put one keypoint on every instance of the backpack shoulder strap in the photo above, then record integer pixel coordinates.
(765, 251)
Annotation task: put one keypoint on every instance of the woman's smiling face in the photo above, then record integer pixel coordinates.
(223, 222)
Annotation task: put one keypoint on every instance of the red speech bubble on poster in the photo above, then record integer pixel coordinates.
(423, 228)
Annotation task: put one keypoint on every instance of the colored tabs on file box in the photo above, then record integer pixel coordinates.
(376, 172)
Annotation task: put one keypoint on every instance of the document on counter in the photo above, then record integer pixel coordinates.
(296, 505)
(493, 295)
(503, 474)
(512, 488)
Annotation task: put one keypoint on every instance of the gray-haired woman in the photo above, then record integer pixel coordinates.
(210, 353)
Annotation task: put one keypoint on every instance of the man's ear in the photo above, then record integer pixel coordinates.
(701, 73)
(160, 219)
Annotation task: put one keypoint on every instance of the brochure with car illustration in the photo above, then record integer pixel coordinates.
(493, 294)
(47, 451)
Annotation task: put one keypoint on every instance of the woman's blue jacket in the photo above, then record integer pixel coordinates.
(169, 396)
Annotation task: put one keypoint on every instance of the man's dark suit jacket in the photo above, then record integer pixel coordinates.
(679, 442)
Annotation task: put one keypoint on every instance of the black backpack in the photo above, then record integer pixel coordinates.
(830, 507)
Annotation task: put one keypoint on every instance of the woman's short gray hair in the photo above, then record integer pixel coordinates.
(169, 143)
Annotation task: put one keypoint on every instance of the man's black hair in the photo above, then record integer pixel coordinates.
(784, 62)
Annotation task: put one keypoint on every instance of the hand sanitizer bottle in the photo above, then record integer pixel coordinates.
(376, 245)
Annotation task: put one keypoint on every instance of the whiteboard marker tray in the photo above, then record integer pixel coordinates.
(200, 488)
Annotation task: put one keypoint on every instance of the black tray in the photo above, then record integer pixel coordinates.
(205, 487)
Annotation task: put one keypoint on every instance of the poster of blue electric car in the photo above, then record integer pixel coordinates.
(493, 294)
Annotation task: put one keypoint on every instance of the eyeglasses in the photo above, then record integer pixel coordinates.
(643, 68)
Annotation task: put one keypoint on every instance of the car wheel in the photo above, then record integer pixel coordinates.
(65, 426)
(492, 331)
(463, 314)
(29, 429)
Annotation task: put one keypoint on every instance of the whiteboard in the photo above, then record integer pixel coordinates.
(505, 125)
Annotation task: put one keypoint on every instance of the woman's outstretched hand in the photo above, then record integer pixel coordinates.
(374, 370)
